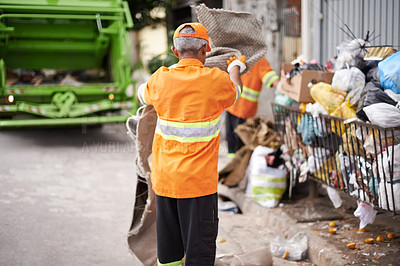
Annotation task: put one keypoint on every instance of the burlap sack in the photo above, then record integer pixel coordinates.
(232, 34)
(142, 236)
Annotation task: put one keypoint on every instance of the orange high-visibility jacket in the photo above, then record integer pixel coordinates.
(260, 73)
(189, 100)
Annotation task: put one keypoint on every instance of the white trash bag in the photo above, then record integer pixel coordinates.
(383, 114)
(266, 185)
(348, 79)
(385, 163)
(387, 192)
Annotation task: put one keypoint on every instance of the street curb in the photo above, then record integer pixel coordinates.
(320, 251)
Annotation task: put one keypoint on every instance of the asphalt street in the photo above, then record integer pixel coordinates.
(66, 196)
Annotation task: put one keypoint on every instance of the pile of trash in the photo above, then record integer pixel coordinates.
(350, 137)
(52, 76)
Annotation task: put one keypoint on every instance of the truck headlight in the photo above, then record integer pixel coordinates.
(10, 98)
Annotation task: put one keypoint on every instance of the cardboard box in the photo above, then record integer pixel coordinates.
(297, 87)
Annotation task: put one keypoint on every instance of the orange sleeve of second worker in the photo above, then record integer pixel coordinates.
(263, 67)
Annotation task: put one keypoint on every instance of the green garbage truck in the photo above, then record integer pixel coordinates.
(65, 62)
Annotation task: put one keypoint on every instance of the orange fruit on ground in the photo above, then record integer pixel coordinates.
(380, 238)
(332, 224)
(391, 235)
(362, 230)
(351, 245)
(369, 240)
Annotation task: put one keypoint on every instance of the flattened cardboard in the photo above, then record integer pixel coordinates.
(378, 53)
(297, 87)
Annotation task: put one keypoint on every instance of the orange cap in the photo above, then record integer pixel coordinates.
(199, 32)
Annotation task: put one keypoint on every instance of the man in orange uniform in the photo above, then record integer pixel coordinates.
(246, 107)
(189, 100)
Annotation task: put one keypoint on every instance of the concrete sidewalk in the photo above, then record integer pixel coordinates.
(268, 223)
(257, 226)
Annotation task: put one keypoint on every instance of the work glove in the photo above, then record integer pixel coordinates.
(234, 61)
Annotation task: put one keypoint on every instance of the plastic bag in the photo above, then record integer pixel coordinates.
(316, 109)
(308, 129)
(266, 185)
(352, 144)
(351, 53)
(373, 185)
(372, 73)
(381, 142)
(343, 163)
(328, 98)
(299, 68)
(353, 47)
(385, 163)
(282, 99)
(314, 163)
(296, 246)
(304, 169)
(383, 114)
(359, 193)
(356, 84)
(344, 111)
(316, 67)
(327, 171)
(354, 97)
(348, 79)
(295, 71)
(374, 94)
(345, 59)
(334, 197)
(394, 96)
(366, 213)
(385, 195)
(389, 72)
(228, 206)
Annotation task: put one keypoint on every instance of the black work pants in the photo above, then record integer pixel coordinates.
(234, 142)
(187, 226)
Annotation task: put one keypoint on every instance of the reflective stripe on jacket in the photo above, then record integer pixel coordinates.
(188, 132)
